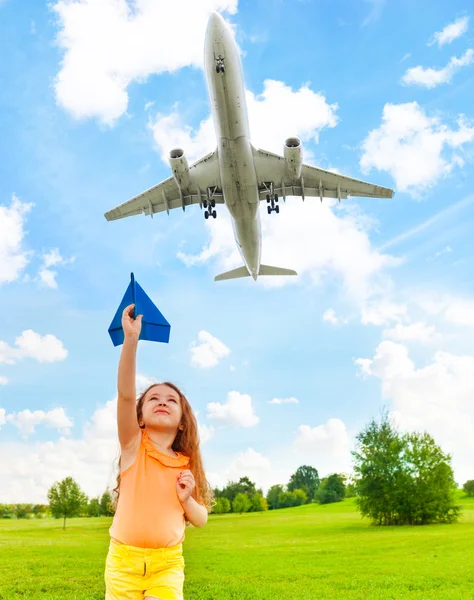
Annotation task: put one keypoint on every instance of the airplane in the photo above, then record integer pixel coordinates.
(237, 174)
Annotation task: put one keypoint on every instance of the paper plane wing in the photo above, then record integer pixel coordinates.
(155, 328)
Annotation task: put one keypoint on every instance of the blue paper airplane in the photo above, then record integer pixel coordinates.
(155, 328)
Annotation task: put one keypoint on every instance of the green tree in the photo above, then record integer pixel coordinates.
(241, 503)
(106, 504)
(286, 500)
(66, 499)
(468, 487)
(258, 503)
(243, 486)
(332, 489)
(221, 507)
(273, 494)
(402, 479)
(305, 478)
(299, 497)
(93, 508)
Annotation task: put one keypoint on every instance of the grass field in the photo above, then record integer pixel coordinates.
(310, 552)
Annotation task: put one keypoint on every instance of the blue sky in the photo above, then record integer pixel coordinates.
(94, 96)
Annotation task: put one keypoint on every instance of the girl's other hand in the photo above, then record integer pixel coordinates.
(131, 327)
(185, 485)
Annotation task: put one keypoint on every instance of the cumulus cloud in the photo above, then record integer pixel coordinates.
(290, 400)
(47, 275)
(415, 332)
(238, 411)
(436, 398)
(110, 44)
(331, 317)
(458, 311)
(275, 114)
(326, 445)
(451, 32)
(3, 380)
(208, 351)
(26, 421)
(13, 256)
(430, 78)
(30, 344)
(416, 149)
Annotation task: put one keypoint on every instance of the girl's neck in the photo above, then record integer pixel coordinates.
(162, 441)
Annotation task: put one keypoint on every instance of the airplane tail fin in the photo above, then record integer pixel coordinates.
(264, 270)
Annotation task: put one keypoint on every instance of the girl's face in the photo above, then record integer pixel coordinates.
(162, 408)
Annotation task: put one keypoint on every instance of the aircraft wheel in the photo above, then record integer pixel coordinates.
(277, 208)
(276, 197)
(214, 214)
(268, 198)
(269, 210)
(204, 203)
(206, 215)
(213, 203)
(218, 68)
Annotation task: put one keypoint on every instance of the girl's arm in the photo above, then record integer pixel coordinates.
(128, 428)
(195, 513)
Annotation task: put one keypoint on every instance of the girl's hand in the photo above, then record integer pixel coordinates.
(131, 327)
(185, 485)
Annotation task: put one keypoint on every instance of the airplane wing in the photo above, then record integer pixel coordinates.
(165, 196)
(314, 182)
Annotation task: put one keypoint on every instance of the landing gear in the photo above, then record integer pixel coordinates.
(220, 67)
(209, 204)
(272, 201)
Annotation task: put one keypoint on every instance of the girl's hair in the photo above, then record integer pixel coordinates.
(187, 442)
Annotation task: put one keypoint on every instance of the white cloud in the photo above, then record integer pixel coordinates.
(208, 351)
(2, 416)
(30, 344)
(26, 421)
(430, 78)
(238, 411)
(110, 44)
(47, 275)
(455, 310)
(205, 433)
(415, 332)
(331, 317)
(284, 401)
(436, 398)
(275, 114)
(382, 312)
(13, 257)
(327, 446)
(450, 32)
(413, 147)
(3, 380)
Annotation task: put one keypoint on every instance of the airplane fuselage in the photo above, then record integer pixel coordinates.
(236, 160)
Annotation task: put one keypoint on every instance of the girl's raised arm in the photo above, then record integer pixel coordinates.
(128, 428)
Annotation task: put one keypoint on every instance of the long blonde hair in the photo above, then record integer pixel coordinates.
(186, 442)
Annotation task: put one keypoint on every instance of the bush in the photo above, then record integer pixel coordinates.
(241, 503)
(221, 507)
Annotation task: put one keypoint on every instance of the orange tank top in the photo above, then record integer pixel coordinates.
(149, 513)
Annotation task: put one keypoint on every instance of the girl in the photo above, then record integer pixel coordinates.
(161, 484)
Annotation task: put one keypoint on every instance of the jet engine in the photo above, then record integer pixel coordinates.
(293, 156)
(180, 168)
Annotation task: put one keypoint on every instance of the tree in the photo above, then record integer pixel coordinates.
(243, 486)
(258, 503)
(93, 508)
(222, 506)
(299, 497)
(468, 487)
(66, 499)
(305, 478)
(402, 479)
(106, 504)
(241, 503)
(332, 489)
(273, 494)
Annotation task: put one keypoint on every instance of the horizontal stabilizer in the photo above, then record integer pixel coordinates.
(264, 270)
(234, 274)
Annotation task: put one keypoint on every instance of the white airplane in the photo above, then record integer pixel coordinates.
(237, 174)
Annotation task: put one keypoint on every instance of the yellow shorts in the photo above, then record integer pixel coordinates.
(133, 573)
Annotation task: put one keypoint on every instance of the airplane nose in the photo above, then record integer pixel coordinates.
(215, 20)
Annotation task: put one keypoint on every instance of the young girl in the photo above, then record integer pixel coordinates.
(161, 484)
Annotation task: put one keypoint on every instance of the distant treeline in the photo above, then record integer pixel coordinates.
(399, 479)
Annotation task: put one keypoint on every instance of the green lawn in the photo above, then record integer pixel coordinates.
(311, 552)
